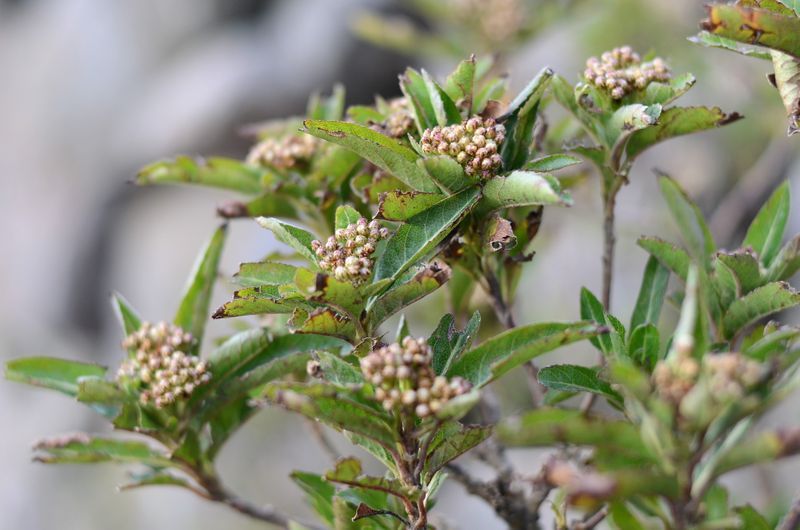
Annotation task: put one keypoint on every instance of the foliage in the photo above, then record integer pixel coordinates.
(444, 189)
(766, 30)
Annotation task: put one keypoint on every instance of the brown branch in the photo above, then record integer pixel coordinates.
(510, 505)
(216, 492)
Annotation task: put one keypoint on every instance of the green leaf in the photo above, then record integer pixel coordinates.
(751, 519)
(295, 237)
(217, 172)
(677, 121)
(104, 396)
(651, 294)
(787, 262)
(323, 288)
(766, 446)
(82, 448)
(343, 515)
(611, 343)
(381, 150)
(459, 84)
(665, 93)
(345, 216)
(348, 471)
(520, 119)
(250, 349)
(338, 371)
(574, 378)
(379, 452)
(787, 80)
(447, 344)
(418, 237)
(549, 426)
(644, 345)
(755, 26)
(416, 91)
(264, 273)
(459, 406)
(725, 287)
(772, 343)
(260, 300)
(622, 518)
(194, 311)
(155, 478)
(550, 163)
(269, 204)
(327, 108)
(692, 329)
(420, 285)
(319, 493)
(322, 321)
(744, 266)
(524, 188)
(230, 405)
(765, 233)
(453, 442)
(127, 316)
(704, 38)
(626, 121)
(512, 348)
(61, 375)
(448, 174)
(689, 219)
(443, 107)
(672, 257)
(759, 303)
(492, 90)
(335, 408)
(401, 205)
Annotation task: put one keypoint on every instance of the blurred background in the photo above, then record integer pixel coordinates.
(92, 90)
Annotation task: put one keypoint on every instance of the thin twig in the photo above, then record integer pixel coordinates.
(609, 243)
(609, 240)
(534, 386)
(216, 492)
(592, 521)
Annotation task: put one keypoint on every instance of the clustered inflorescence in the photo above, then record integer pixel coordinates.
(284, 153)
(729, 376)
(348, 253)
(161, 364)
(475, 144)
(621, 71)
(399, 121)
(403, 377)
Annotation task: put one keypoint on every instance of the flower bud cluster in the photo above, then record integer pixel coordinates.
(399, 121)
(404, 378)
(474, 143)
(728, 375)
(348, 253)
(284, 153)
(674, 378)
(621, 71)
(161, 365)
